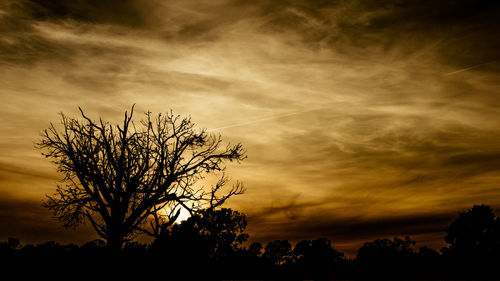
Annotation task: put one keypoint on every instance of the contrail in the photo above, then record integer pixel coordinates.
(468, 68)
(265, 119)
(309, 110)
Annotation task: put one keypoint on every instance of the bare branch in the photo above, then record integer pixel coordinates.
(122, 176)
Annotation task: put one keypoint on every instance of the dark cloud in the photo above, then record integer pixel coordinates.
(350, 232)
(24, 43)
(489, 160)
(20, 42)
(291, 210)
(459, 30)
(130, 13)
(31, 223)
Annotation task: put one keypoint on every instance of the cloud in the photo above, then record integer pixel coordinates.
(130, 13)
(379, 112)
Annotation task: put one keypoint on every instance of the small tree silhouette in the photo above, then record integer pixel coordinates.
(211, 233)
(278, 251)
(317, 253)
(474, 234)
(255, 249)
(120, 176)
(386, 250)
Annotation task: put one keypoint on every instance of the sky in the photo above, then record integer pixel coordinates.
(361, 119)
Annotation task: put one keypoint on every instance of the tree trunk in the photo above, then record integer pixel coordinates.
(115, 238)
(115, 243)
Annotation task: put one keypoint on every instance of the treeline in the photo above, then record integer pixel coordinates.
(210, 245)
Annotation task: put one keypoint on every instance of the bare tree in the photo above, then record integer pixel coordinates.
(119, 178)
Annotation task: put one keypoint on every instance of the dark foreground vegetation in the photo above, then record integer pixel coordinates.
(209, 246)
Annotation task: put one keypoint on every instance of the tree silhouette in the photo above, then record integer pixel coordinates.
(386, 250)
(222, 228)
(316, 258)
(210, 233)
(94, 244)
(317, 253)
(119, 177)
(278, 251)
(474, 234)
(255, 249)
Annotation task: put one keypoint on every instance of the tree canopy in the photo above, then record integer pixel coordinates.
(475, 233)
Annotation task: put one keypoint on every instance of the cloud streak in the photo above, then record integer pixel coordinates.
(468, 68)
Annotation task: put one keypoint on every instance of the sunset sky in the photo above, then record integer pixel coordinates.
(361, 119)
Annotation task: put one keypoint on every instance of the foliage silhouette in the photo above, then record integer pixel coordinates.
(119, 177)
(317, 252)
(474, 234)
(316, 258)
(376, 256)
(207, 234)
(255, 249)
(278, 251)
(386, 250)
(94, 244)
